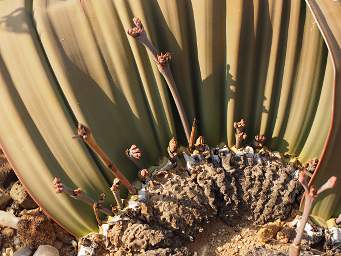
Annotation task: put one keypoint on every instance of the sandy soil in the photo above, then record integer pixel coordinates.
(222, 239)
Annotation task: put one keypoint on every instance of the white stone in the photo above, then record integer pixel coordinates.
(313, 233)
(133, 204)
(16, 240)
(249, 151)
(24, 251)
(216, 160)
(46, 250)
(335, 235)
(224, 150)
(105, 229)
(190, 163)
(86, 251)
(296, 173)
(8, 219)
(142, 194)
(74, 244)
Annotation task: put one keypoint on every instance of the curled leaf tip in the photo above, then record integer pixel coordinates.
(329, 184)
(332, 181)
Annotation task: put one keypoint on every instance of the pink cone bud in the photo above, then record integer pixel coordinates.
(164, 58)
(135, 152)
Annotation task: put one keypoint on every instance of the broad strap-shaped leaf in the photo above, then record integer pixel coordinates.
(63, 62)
(327, 16)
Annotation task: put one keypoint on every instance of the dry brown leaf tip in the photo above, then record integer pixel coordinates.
(200, 141)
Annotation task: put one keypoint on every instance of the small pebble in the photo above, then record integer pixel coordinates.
(58, 245)
(24, 251)
(16, 240)
(8, 232)
(74, 244)
(9, 251)
(46, 250)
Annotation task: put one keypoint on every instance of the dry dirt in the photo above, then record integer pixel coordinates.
(240, 239)
(243, 239)
(222, 207)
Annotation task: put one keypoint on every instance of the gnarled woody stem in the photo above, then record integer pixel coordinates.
(86, 134)
(139, 33)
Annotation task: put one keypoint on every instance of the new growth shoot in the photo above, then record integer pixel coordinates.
(240, 132)
(85, 134)
(162, 61)
(80, 195)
